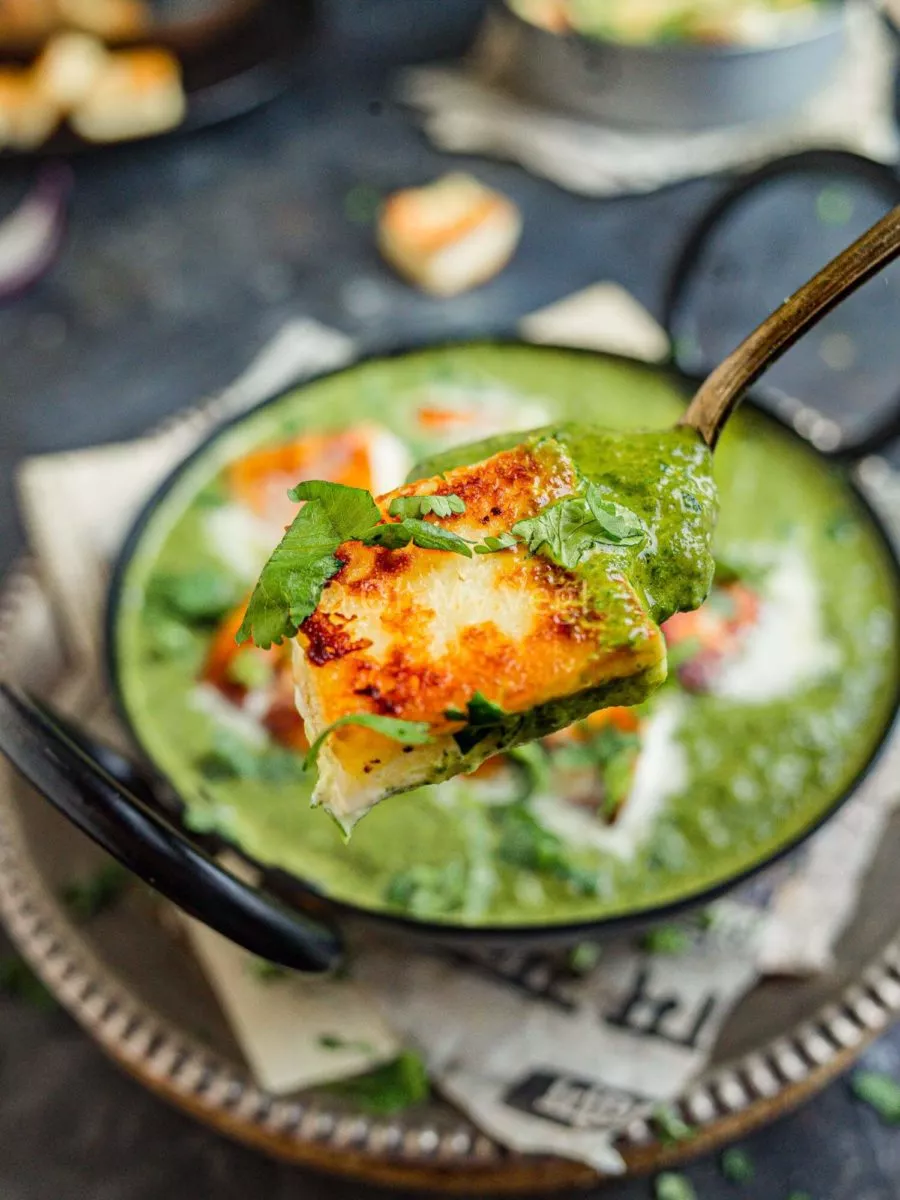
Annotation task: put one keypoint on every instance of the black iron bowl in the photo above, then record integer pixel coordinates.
(301, 895)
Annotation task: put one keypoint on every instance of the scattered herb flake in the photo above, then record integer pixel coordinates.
(332, 1041)
(670, 1186)
(88, 897)
(413, 733)
(481, 716)
(421, 506)
(532, 762)
(524, 842)
(584, 957)
(233, 757)
(880, 1092)
(19, 982)
(737, 1166)
(389, 1089)
(666, 939)
(670, 1125)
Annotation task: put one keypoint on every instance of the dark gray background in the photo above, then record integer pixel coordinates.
(183, 258)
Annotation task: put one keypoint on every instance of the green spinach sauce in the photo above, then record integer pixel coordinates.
(757, 771)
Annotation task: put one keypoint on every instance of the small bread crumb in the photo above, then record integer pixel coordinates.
(450, 235)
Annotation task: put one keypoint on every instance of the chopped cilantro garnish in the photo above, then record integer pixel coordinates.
(86, 898)
(197, 598)
(666, 939)
(524, 842)
(670, 1126)
(670, 1186)
(491, 544)
(413, 733)
(233, 757)
(569, 529)
(421, 506)
(880, 1092)
(737, 1166)
(428, 891)
(290, 585)
(19, 982)
(532, 762)
(613, 754)
(481, 716)
(389, 1089)
(396, 535)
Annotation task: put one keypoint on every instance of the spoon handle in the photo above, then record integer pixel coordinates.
(718, 396)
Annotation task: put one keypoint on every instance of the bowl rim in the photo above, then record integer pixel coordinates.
(290, 886)
(830, 21)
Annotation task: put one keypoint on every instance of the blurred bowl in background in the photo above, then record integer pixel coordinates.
(675, 85)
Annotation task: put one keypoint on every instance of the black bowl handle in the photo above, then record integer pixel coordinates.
(60, 767)
(887, 429)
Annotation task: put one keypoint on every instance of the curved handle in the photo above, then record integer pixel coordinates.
(836, 165)
(719, 395)
(58, 765)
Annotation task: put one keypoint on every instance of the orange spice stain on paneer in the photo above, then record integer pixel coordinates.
(414, 632)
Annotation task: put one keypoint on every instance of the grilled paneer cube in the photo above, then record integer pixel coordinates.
(490, 650)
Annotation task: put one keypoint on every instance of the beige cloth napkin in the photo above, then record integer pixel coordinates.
(466, 110)
(539, 1060)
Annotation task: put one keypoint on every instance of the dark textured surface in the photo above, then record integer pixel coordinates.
(183, 258)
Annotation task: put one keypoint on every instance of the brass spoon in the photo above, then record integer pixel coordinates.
(720, 394)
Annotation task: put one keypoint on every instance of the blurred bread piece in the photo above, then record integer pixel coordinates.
(68, 69)
(138, 93)
(450, 235)
(27, 119)
(111, 20)
(23, 21)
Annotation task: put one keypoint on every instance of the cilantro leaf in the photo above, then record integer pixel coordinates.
(880, 1092)
(481, 716)
(737, 1166)
(413, 733)
(532, 762)
(395, 535)
(524, 842)
(389, 1089)
(291, 582)
(421, 506)
(490, 545)
(569, 529)
(348, 509)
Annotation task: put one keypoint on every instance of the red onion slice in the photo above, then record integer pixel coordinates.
(31, 236)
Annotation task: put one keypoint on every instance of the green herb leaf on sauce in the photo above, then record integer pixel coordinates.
(880, 1092)
(233, 757)
(421, 506)
(737, 1166)
(569, 529)
(96, 893)
(197, 598)
(396, 535)
(389, 1089)
(491, 544)
(413, 733)
(481, 716)
(524, 842)
(428, 891)
(532, 763)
